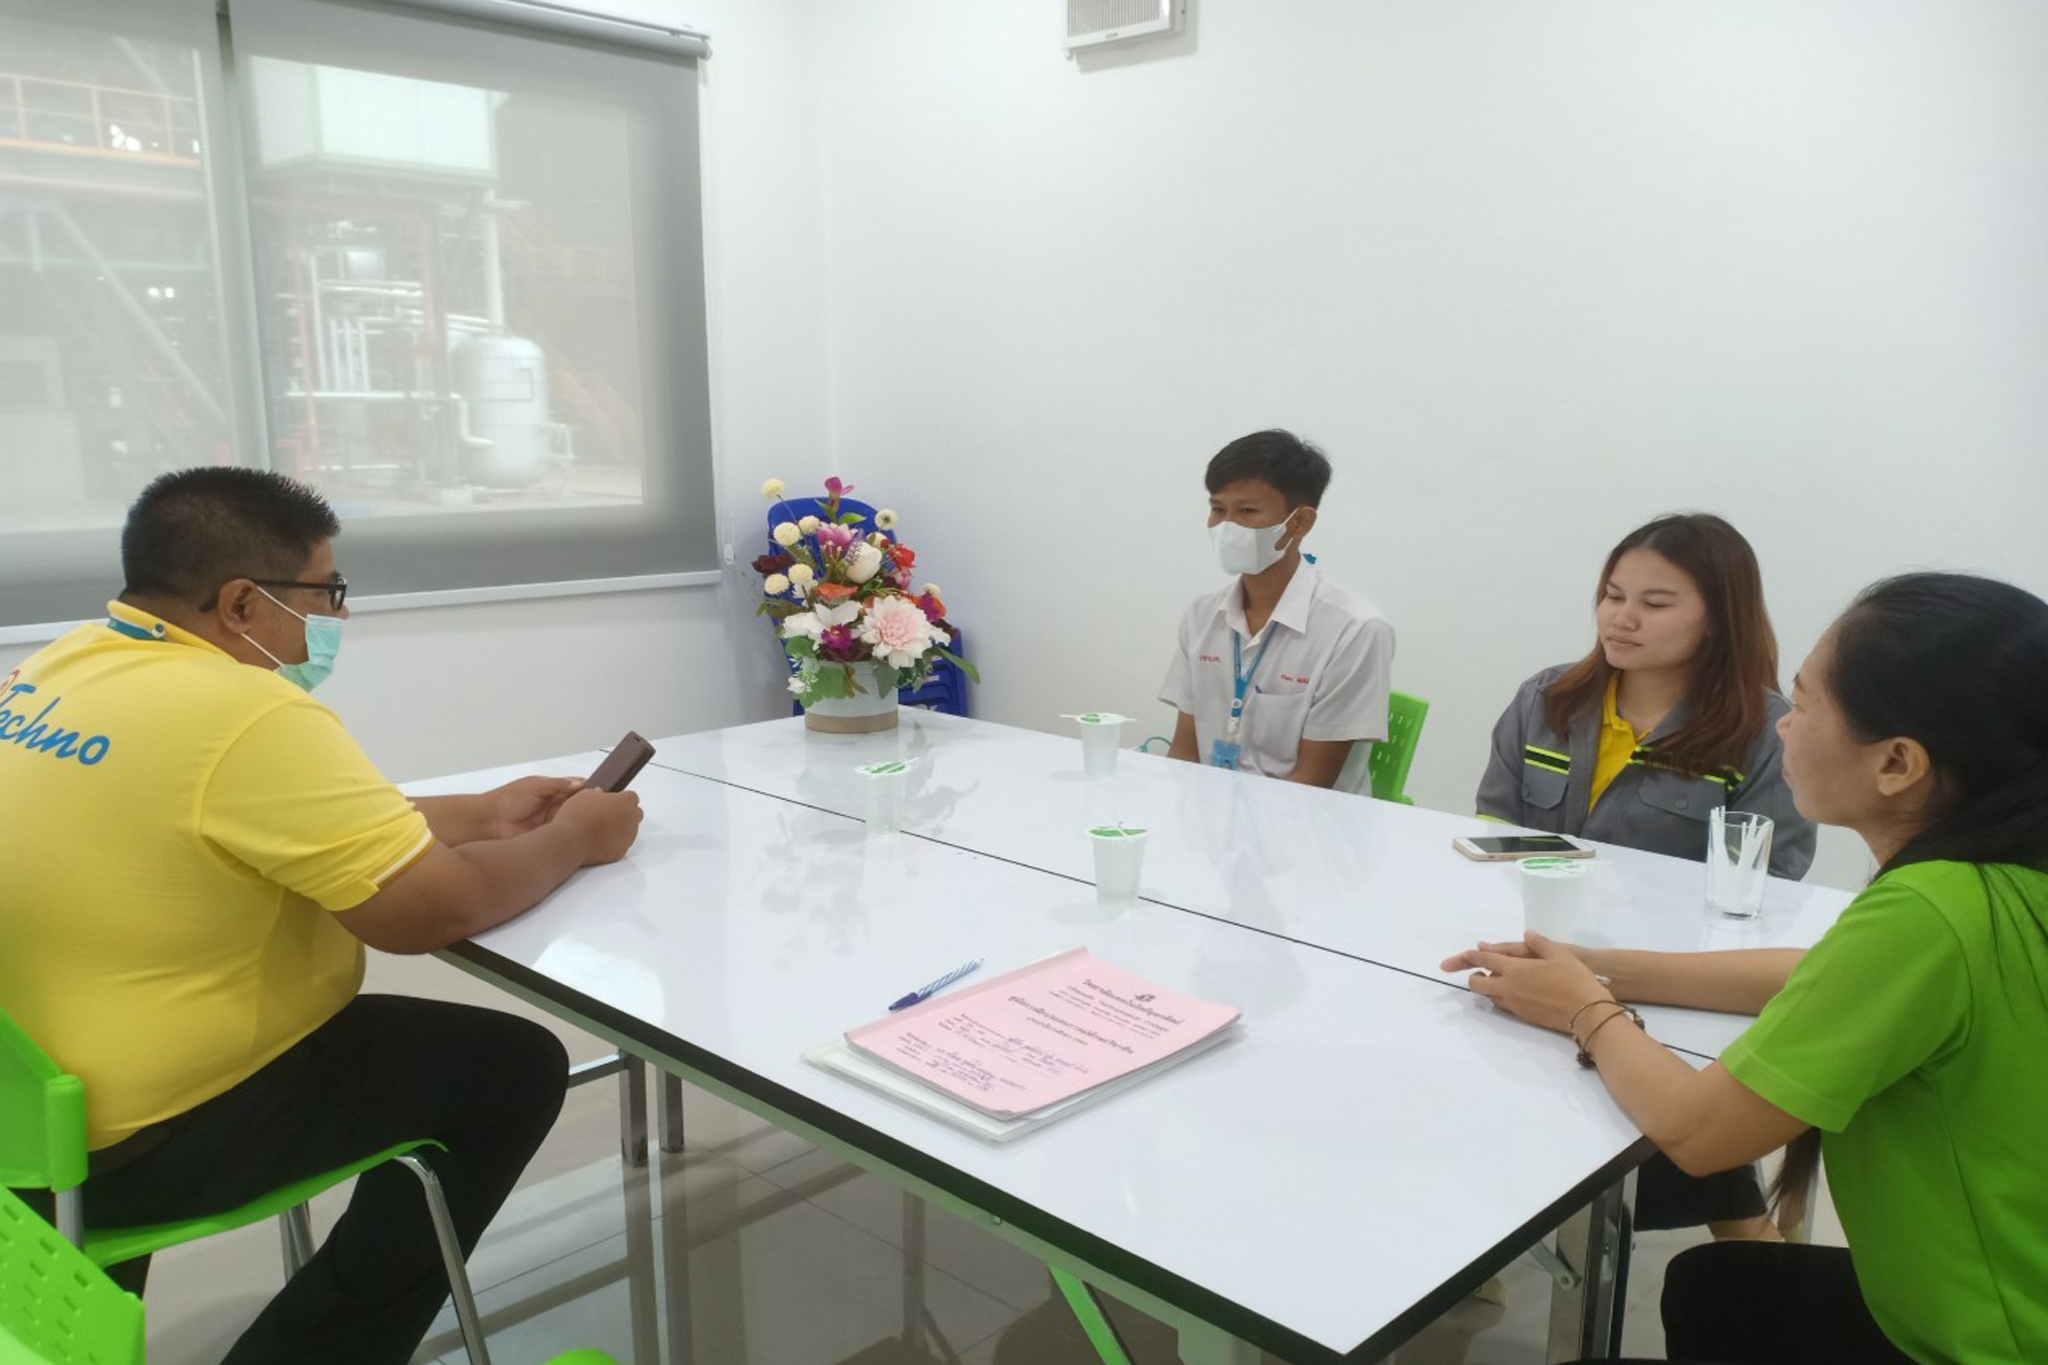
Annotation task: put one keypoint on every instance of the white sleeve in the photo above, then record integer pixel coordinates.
(1350, 699)
(1178, 691)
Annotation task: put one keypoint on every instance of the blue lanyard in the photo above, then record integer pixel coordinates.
(1243, 676)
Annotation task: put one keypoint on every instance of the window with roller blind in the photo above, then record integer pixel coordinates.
(444, 266)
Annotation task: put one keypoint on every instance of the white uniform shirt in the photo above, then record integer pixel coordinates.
(1324, 677)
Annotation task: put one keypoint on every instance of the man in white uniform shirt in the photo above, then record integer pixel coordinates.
(1281, 672)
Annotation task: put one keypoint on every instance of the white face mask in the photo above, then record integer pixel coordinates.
(1247, 549)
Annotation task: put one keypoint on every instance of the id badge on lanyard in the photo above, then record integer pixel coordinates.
(1226, 751)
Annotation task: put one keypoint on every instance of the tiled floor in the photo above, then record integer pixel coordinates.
(795, 1258)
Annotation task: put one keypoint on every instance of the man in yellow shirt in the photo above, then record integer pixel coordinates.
(196, 854)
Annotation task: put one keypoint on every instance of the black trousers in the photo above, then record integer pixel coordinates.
(1769, 1303)
(384, 1070)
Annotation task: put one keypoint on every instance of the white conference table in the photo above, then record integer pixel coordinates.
(1375, 1144)
(1371, 879)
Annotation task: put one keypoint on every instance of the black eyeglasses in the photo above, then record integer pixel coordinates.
(337, 590)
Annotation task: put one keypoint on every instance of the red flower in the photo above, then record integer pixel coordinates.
(775, 563)
(905, 557)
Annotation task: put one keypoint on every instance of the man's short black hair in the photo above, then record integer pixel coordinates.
(1280, 458)
(192, 531)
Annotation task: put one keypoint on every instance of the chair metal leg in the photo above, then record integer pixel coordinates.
(70, 1220)
(295, 1230)
(451, 1257)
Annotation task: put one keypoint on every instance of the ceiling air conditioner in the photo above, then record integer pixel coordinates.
(1092, 23)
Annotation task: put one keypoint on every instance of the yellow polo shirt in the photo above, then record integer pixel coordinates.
(1617, 744)
(174, 826)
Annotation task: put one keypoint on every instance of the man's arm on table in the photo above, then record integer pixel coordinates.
(524, 804)
(457, 889)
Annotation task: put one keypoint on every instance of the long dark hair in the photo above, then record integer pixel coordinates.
(1736, 664)
(1960, 664)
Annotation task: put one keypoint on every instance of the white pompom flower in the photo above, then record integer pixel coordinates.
(808, 525)
(775, 584)
(785, 534)
(802, 575)
(771, 489)
(886, 519)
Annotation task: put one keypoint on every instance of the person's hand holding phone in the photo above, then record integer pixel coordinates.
(608, 823)
(526, 803)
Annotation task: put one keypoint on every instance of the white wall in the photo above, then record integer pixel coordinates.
(1532, 273)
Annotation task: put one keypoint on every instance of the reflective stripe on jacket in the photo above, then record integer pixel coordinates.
(1541, 780)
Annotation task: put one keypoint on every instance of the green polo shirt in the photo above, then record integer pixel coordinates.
(1915, 1036)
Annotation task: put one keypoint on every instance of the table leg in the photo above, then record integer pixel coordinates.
(639, 1199)
(1586, 1310)
(679, 1320)
(913, 1275)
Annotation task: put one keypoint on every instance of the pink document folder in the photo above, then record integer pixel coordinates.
(1042, 1034)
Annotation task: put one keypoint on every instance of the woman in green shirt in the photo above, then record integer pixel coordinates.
(1913, 1037)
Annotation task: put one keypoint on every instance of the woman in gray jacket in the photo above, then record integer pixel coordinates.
(1673, 712)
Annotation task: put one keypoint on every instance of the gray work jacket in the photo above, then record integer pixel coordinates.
(1541, 780)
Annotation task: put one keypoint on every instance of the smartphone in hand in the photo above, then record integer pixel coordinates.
(622, 764)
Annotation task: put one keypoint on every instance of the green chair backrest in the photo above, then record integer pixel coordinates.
(42, 1116)
(54, 1303)
(1391, 759)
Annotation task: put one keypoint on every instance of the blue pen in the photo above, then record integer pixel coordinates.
(926, 992)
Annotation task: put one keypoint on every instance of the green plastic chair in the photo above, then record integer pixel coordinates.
(43, 1146)
(56, 1306)
(1392, 758)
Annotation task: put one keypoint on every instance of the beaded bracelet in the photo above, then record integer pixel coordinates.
(1585, 1053)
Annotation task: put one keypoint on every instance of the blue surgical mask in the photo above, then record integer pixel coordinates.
(323, 642)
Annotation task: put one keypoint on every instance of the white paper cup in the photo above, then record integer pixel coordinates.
(1738, 862)
(1119, 859)
(884, 787)
(1102, 732)
(1555, 894)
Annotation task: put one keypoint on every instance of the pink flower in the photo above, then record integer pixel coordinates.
(837, 489)
(901, 578)
(836, 638)
(896, 629)
(836, 537)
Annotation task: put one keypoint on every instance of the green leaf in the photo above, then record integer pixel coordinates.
(833, 681)
(800, 647)
(969, 669)
(850, 518)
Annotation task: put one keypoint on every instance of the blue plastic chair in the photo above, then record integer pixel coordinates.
(796, 509)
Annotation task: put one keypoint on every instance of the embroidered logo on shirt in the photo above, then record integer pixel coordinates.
(1211, 658)
(36, 733)
(1289, 677)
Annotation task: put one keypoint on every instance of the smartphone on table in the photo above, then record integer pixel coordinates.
(1507, 848)
(622, 764)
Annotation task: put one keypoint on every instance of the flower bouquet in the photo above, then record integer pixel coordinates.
(839, 588)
